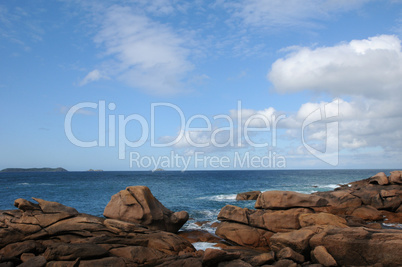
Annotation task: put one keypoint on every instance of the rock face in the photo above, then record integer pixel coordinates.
(290, 254)
(137, 204)
(395, 177)
(49, 233)
(322, 218)
(244, 235)
(271, 220)
(335, 228)
(380, 178)
(361, 246)
(252, 195)
(288, 199)
(297, 240)
(320, 254)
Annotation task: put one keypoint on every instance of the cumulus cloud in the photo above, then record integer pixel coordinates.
(147, 55)
(360, 125)
(366, 72)
(363, 74)
(91, 77)
(363, 124)
(370, 68)
(254, 118)
(236, 129)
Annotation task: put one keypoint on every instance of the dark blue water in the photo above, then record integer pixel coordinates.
(201, 193)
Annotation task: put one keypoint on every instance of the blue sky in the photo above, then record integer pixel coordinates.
(223, 84)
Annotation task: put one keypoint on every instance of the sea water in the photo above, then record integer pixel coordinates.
(201, 193)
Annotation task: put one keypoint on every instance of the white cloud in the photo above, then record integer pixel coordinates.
(226, 136)
(147, 55)
(364, 125)
(254, 118)
(355, 143)
(291, 13)
(370, 68)
(91, 77)
(367, 73)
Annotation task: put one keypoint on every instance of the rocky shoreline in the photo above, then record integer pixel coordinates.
(344, 227)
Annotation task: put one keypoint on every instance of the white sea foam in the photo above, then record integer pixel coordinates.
(333, 186)
(220, 197)
(204, 245)
(210, 214)
(191, 225)
(207, 227)
(23, 183)
(307, 191)
(394, 225)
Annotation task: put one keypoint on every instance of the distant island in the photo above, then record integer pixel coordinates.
(34, 170)
(92, 170)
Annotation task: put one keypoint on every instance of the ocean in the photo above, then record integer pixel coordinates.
(201, 193)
